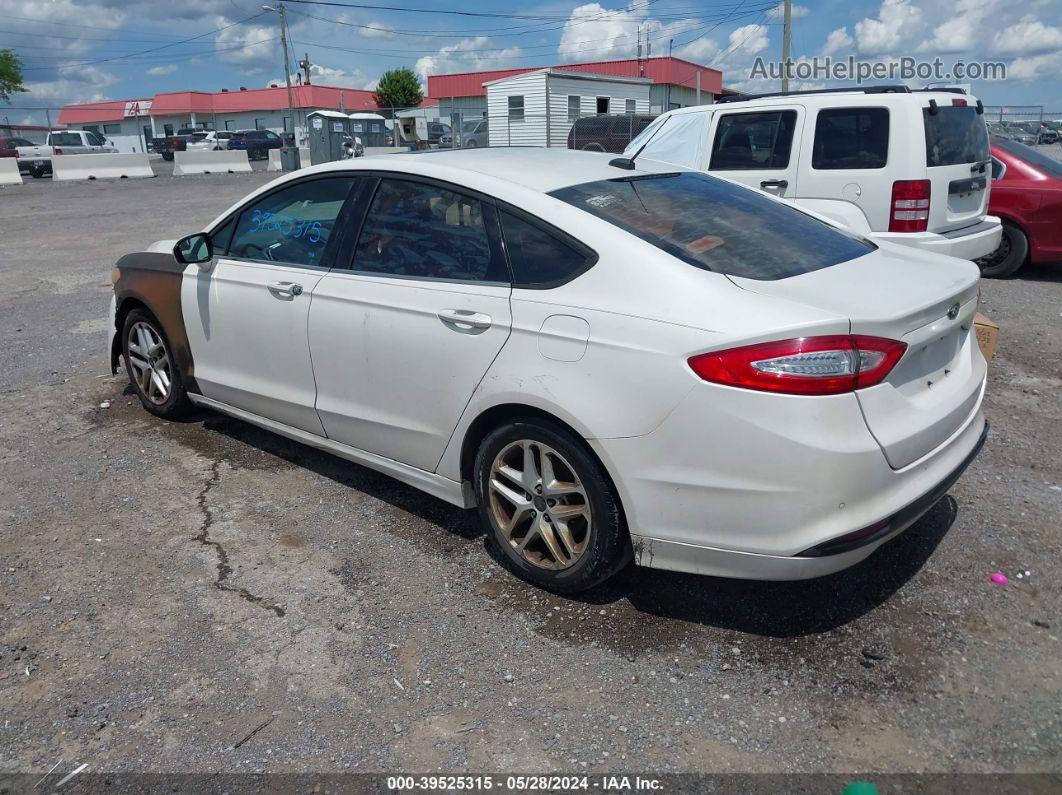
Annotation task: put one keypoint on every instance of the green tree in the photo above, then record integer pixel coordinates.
(398, 88)
(10, 75)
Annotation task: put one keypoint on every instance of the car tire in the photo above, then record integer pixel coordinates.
(37, 173)
(167, 155)
(565, 556)
(470, 145)
(594, 147)
(156, 366)
(1009, 257)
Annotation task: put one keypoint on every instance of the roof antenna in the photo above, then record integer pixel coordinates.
(628, 162)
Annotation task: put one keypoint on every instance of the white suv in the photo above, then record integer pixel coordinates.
(900, 166)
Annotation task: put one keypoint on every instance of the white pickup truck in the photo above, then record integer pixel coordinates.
(38, 159)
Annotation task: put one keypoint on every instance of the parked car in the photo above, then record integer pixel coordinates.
(9, 148)
(37, 159)
(436, 130)
(166, 145)
(901, 167)
(656, 364)
(1027, 195)
(606, 133)
(1017, 132)
(472, 134)
(257, 143)
(209, 141)
(996, 128)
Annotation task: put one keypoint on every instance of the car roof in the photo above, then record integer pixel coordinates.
(538, 168)
(832, 98)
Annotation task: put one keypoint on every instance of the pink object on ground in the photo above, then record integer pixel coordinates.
(998, 577)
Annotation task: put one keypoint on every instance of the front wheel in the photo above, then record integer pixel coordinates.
(549, 506)
(1009, 256)
(152, 369)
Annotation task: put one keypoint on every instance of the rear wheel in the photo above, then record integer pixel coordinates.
(1009, 257)
(549, 507)
(594, 147)
(152, 369)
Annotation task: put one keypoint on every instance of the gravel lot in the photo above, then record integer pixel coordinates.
(168, 587)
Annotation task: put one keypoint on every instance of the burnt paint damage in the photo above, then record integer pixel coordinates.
(154, 279)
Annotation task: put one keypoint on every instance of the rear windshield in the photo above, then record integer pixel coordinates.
(716, 225)
(955, 135)
(1046, 164)
(65, 139)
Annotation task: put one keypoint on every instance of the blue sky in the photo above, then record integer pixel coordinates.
(90, 50)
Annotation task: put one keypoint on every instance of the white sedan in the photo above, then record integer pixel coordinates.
(606, 361)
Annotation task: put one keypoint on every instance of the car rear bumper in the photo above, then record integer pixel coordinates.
(751, 487)
(970, 242)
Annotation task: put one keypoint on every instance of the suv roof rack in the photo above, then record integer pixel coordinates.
(899, 89)
(948, 89)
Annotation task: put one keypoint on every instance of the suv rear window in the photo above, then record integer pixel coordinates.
(955, 135)
(716, 225)
(851, 138)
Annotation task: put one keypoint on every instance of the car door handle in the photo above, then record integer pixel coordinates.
(465, 318)
(781, 184)
(285, 288)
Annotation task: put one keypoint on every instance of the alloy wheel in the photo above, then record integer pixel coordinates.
(150, 362)
(538, 505)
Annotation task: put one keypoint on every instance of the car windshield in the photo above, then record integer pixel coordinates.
(716, 225)
(1034, 158)
(954, 134)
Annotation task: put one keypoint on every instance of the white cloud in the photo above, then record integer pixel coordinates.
(837, 41)
(1036, 67)
(700, 50)
(896, 23)
(594, 33)
(376, 30)
(778, 12)
(962, 31)
(468, 55)
(1028, 35)
(62, 11)
(746, 40)
(328, 76)
(168, 69)
(252, 48)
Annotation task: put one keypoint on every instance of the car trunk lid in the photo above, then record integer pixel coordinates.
(957, 162)
(926, 301)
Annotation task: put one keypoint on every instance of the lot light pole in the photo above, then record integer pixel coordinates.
(287, 70)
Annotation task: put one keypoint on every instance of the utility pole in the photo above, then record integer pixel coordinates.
(787, 41)
(287, 68)
(305, 65)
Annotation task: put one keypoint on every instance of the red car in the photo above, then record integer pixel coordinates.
(1027, 195)
(9, 145)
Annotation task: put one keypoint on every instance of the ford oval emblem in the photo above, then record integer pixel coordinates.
(953, 312)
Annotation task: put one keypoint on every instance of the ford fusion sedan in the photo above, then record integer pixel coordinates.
(608, 360)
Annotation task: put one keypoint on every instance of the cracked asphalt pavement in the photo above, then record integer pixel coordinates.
(204, 596)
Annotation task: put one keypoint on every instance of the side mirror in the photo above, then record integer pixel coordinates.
(195, 249)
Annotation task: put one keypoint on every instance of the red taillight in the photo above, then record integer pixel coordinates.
(958, 103)
(910, 205)
(57, 151)
(805, 366)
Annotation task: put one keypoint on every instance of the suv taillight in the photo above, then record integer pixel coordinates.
(910, 205)
(829, 365)
(57, 151)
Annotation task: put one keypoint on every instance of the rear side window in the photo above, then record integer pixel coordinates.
(955, 135)
(292, 225)
(851, 138)
(539, 258)
(752, 141)
(1045, 163)
(716, 225)
(427, 232)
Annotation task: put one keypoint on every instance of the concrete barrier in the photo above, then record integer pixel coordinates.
(304, 156)
(274, 161)
(9, 171)
(223, 161)
(102, 166)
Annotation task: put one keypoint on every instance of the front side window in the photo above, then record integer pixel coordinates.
(574, 108)
(538, 258)
(716, 225)
(516, 108)
(851, 138)
(753, 141)
(426, 232)
(292, 225)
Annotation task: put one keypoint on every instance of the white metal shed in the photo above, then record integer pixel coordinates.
(538, 108)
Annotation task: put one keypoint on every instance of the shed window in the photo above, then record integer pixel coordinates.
(628, 106)
(574, 108)
(516, 108)
(602, 104)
